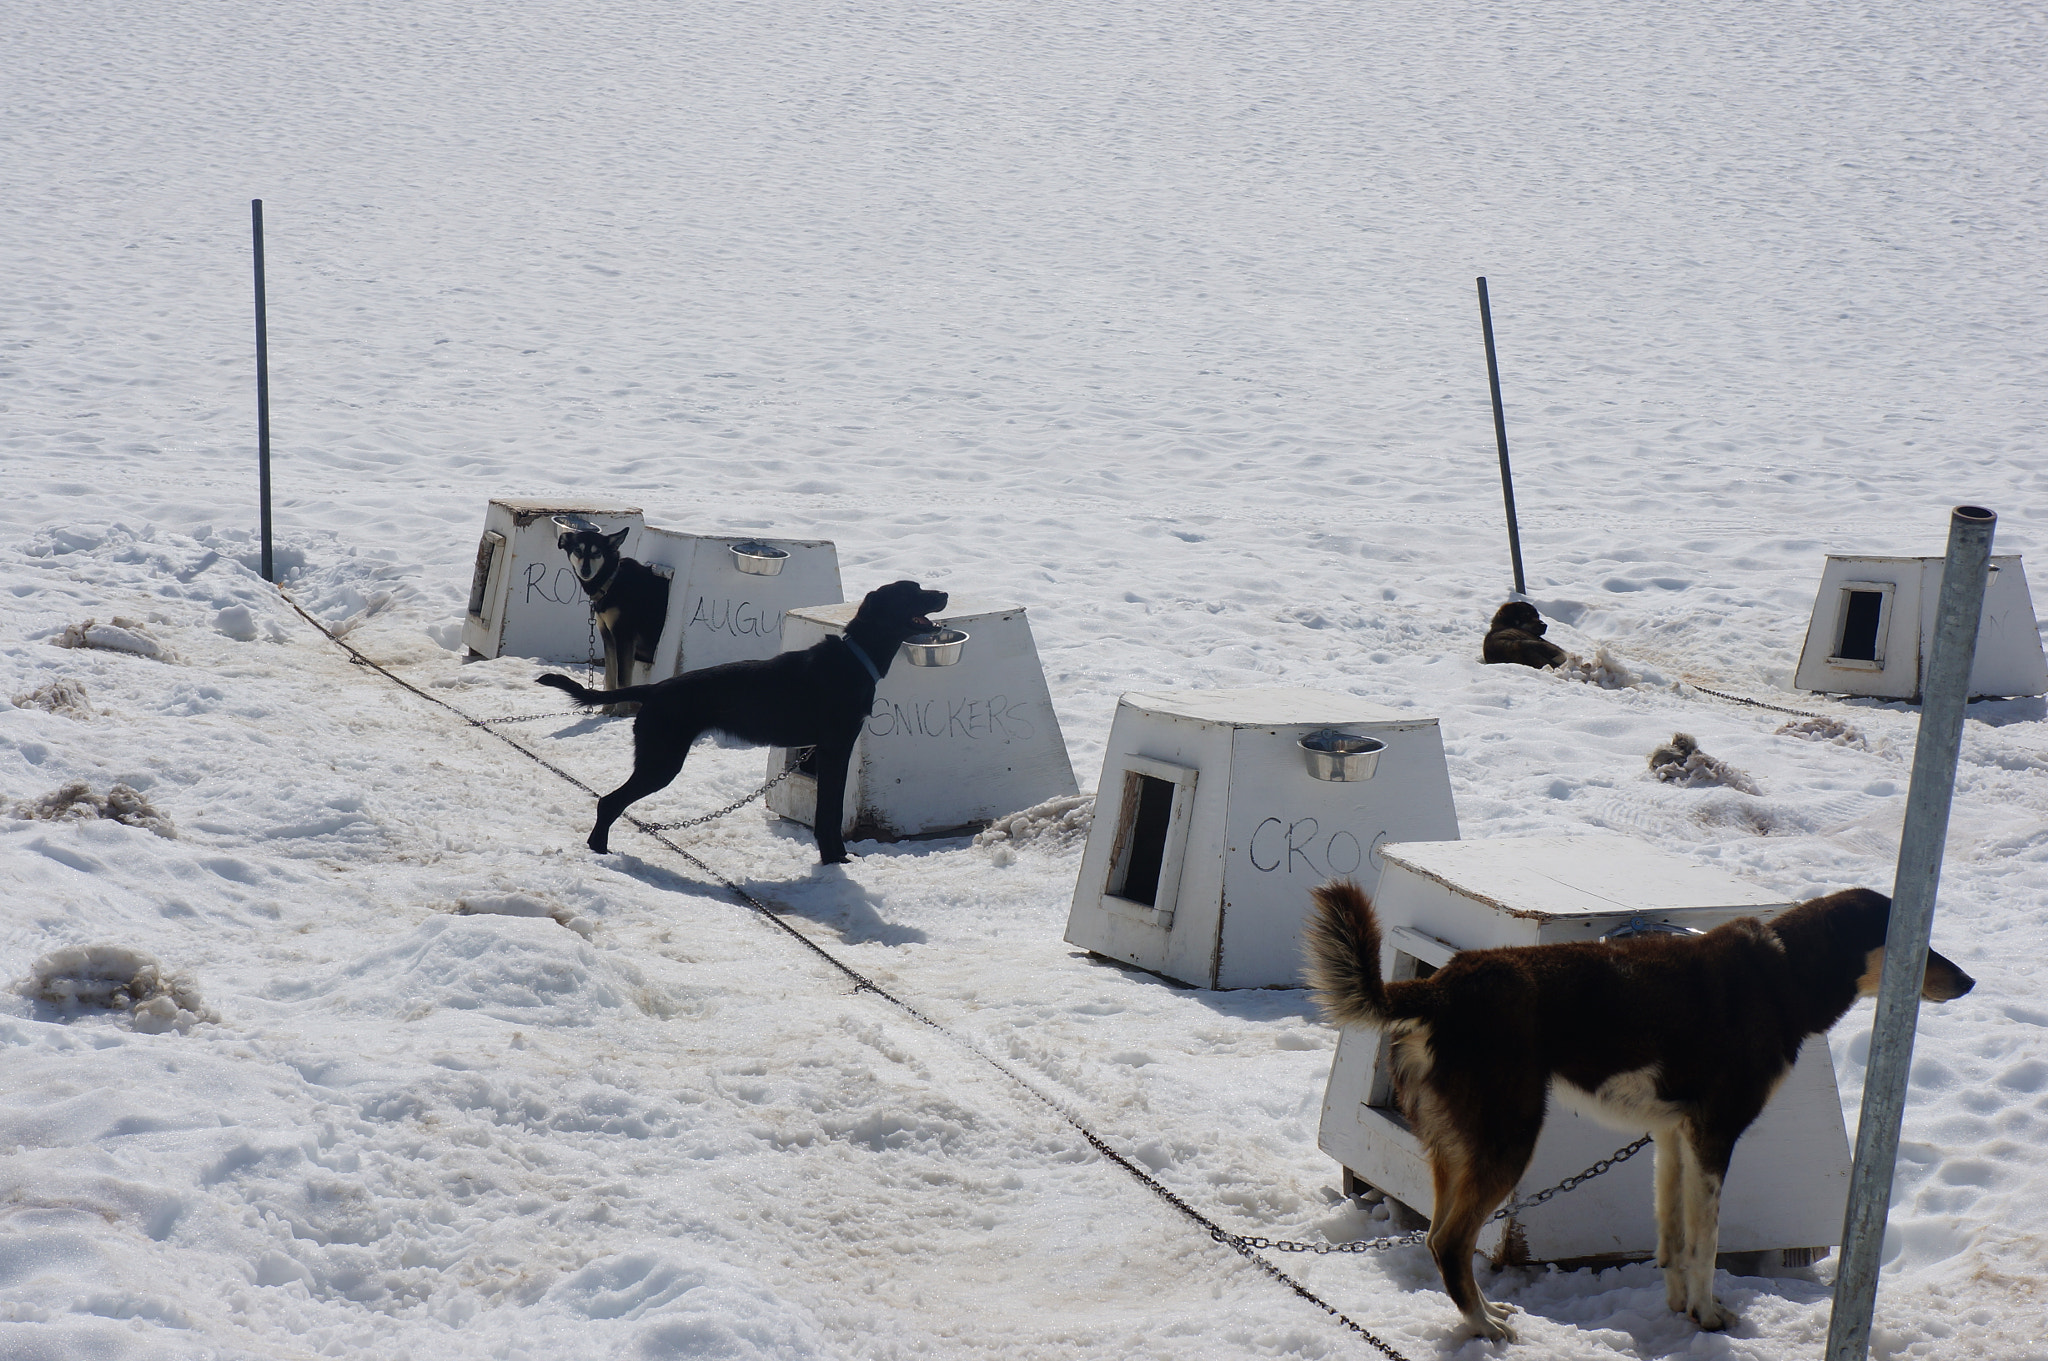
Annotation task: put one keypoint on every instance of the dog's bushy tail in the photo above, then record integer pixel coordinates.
(588, 697)
(1344, 956)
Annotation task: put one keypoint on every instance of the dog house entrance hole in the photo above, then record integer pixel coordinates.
(1151, 838)
(1145, 838)
(1415, 956)
(479, 585)
(1865, 611)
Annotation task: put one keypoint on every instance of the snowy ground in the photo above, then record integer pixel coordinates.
(1156, 320)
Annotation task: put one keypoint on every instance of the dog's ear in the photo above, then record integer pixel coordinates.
(562, 539)
(620, 537)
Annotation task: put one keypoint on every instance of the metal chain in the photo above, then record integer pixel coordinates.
(1753, 703)
(732, 807)
(1606, 1164)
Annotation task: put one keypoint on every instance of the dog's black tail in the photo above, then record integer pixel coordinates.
(1344, 956)
(588, 697)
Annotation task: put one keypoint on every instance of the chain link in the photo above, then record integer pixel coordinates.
(1606, 1164)
(801, 754)
(1752, 703)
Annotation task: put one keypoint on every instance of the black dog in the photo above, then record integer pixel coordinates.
(1516, 635)
(818, 697)
(628, 599)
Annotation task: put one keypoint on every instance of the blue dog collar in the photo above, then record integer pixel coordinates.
(865, 660)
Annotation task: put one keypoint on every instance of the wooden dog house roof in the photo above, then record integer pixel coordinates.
(1549, 877)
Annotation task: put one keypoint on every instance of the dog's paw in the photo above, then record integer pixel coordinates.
(1712, 1317)
(1491, 1328)
(600, 845)
(1674, 1289)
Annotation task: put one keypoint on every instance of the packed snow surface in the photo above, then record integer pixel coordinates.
(1156, 320)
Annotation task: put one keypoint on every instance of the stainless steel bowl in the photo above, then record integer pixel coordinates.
(758, 559)
(1642, 926)
(1333, 755)
(940, 647)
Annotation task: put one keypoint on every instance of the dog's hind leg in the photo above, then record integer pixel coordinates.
(1671, 1159)
(1705, 1168)
(651, 772)
(1465, 1196)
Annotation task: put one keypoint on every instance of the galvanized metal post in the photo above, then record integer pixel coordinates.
(262, 388)
(1945, 691)
(1500, 436)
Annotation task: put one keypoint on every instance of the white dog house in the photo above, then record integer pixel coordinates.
(523, 598)
(1789, 1182)
(1873, 627)
(1211, 828)
(728, 594)
(945, 747)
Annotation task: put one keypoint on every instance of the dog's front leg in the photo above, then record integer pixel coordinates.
(831, 764)
(614, 669)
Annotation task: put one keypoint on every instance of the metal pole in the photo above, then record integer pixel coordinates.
(262, 388)
(1945, 692)
(1500, 435)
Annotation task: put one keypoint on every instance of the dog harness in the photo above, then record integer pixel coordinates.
(865, 660)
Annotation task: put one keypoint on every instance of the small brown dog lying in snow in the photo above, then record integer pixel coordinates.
(1685, 1036)
(1516, 635)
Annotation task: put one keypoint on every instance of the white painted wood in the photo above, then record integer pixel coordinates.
(532, 605)
(1261, 831)
(1788, 1183)
(945, 747)
(2009, 658)
(717, 613)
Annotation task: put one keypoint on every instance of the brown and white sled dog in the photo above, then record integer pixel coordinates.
(1685, 1036)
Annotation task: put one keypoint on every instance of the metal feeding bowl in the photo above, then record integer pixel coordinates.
(940, 647)
(1643, 926)
(758, 559)
(1333, 755)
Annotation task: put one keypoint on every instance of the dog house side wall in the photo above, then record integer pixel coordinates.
(2009, 659)
(535, 607)
(944, 746)
(1185, 950)
(948, 746)
(1289, 832)
(718, 614)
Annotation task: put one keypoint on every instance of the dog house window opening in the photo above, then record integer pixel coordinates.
(1385, 1095)
(1148, 813)
(480, 584)
(1865, 613)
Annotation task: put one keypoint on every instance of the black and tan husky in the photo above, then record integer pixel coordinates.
(1684, 1036)
(628, 599)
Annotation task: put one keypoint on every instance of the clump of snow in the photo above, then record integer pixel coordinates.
(76, 802)
(524, 905)
(79, 978)
(61, 696)
(1055, 824)
(119, 635)
(1826, 730)
(1681, 762)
